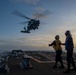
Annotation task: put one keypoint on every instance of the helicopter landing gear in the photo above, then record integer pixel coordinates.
(25, 32)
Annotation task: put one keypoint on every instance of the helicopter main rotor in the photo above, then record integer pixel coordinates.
(17, 13)
(32, 23)
(36, 15)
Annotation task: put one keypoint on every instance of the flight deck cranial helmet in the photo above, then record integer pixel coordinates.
(57, 37)
(67, 32)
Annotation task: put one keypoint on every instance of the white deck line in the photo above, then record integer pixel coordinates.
(51, 60)
(46, 56)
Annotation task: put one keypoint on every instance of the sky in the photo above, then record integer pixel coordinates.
(61, 18)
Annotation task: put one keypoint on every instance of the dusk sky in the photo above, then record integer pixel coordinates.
(61, 18)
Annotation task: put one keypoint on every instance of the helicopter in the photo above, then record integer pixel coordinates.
(33, 24)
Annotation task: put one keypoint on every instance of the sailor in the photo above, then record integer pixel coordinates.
(58, 49)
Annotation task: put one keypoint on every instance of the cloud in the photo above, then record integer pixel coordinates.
(35, 39)
(31, 43)
(3, 41)
(25, 1)
(16, 45)
(37, 42)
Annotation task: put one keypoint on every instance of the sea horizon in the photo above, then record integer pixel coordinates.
(1, 51)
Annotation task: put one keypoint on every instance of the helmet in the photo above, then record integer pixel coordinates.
(67, 32)
(57, 37)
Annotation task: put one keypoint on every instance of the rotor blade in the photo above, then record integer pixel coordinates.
(24, 22)
(38, 15)
(43, 14)
(17, 13)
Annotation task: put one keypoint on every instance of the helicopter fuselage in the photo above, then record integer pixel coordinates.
(32, 25)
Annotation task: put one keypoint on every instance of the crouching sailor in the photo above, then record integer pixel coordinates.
(26, 64)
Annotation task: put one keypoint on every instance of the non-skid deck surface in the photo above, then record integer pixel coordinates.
(39, 68)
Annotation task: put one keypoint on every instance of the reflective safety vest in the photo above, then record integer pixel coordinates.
(57, 46)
